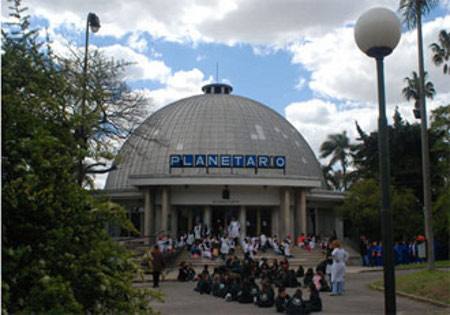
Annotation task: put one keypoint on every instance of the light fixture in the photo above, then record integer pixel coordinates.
(377, 33)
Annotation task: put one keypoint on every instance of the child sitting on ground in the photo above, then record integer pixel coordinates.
(281, 300)
(315, 302)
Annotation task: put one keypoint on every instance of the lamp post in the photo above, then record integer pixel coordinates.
(93, 22)
(377, 33)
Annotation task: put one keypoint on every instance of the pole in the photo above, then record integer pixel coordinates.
(83, 105)
(386, 212)
(425, 153)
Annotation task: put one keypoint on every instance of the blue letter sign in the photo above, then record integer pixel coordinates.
(227, 161)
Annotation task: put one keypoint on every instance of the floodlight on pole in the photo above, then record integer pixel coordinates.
(377, 33)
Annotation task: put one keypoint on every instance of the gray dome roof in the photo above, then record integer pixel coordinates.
(213, 124)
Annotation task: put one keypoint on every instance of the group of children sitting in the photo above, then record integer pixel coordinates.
(213, 246)
(254, 281)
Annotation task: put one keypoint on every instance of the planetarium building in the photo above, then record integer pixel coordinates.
(218, 156)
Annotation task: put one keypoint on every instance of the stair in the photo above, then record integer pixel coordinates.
(300, 257)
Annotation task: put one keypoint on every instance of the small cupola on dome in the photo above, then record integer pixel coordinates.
(217, 88)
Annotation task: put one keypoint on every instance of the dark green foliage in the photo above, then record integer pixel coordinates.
(405, 157)
(362, 208)
(411, 9)
(362, 204)
(57, 257)
(338, 147)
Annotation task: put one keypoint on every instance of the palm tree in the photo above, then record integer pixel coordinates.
(412, 11)
(412, 91)
(339, 147)
(441, 51)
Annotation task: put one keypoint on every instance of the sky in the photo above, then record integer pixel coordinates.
(298, 57)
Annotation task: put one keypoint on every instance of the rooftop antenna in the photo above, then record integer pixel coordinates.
(217, 72)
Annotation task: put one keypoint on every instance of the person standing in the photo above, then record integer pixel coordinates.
(363, 251)
(338, 269)
(158, 264)
(198, 231)
(233, 229)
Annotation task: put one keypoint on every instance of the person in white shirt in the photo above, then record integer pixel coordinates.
(338, 269)
(190, 240)
(287, 249)
(198, 231)
(263, 242)
(224, 248)
(233, 229)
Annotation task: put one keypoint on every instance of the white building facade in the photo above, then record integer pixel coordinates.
(216, 156)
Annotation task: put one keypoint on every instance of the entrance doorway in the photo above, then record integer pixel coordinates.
(222, 216)
(259, 220)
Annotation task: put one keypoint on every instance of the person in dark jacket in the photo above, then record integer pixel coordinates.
(315, 302)
(296, 306)
(281, 300)
(266, 297)
(363, 250)
(245, 292)
(308, 277)
(158, 264)
(183, 272)
(300, 272)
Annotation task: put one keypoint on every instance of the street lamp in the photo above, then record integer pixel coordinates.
(377, 33)
(93, 22)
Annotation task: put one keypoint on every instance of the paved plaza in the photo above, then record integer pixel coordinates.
(180, 298)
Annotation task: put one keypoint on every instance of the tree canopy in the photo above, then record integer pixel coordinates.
(57, 257)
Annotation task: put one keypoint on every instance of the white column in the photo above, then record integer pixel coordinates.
(285, 212)
(174, 222)
(148, 220)
(207, 215)
(303, 228)
(316, 220)
(297, 213)
(243, 221)
(165, 206)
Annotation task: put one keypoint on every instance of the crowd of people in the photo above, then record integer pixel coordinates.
(255, 281)
(404, 252)
(204, 243)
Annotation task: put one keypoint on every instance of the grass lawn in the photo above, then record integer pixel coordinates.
(432, 285)
(439, 263)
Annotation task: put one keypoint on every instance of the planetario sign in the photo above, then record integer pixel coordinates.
(227, 161)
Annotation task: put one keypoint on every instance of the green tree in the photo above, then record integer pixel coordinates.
(441, 51)
(338, 146)
(404, 157)
(413, 11)
(57, 257)
(412, 91)
(109, 114)
(362, 206)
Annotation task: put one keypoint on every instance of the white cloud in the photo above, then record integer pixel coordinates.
(137, 42)
(339, 70)
(316, 119)
(142, 68)
(300, 83)
(181, 84)
(265, 22)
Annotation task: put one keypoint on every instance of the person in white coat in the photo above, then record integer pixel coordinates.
(233, 229)
(338, 269)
